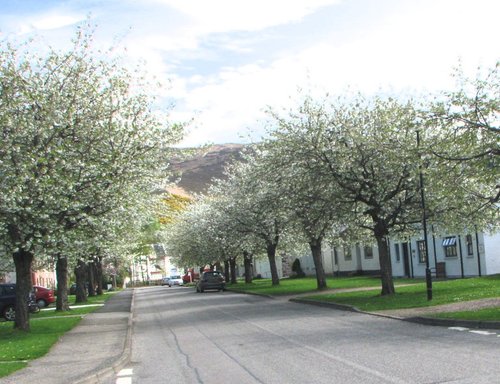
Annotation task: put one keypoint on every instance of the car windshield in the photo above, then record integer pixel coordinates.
(175, 277)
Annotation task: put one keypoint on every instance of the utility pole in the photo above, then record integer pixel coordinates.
(428, 276)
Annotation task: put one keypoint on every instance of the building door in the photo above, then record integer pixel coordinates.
(406, 259)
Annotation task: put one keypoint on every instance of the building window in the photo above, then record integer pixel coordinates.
(368, 252)
(470, 248)
(450, 246)
(398, 255)
(347, 253)
(422, 254)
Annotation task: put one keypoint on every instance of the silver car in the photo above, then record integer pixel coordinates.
(175, 280)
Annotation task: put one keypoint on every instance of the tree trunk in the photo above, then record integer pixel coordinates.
(315, 246)
(247, 259)
(226, 270)
(81, 279)
(91, 275)
(62, 303)
(23, 261)
(116, 265)
(98, 269)
(271, 255)
(385, 267)
(232, 267)
(381, 232)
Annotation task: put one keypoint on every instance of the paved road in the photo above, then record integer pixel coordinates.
(180, 336)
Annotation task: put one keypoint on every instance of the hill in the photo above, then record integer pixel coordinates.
(195, 168)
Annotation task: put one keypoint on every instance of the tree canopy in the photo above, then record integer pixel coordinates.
(355, 169)
(80, 143)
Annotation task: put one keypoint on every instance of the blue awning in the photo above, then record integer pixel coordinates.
(449, 241)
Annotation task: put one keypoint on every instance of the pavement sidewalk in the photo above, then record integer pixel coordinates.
(98, 347)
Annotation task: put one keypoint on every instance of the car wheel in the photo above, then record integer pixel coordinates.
(41, 303)
(9, 313)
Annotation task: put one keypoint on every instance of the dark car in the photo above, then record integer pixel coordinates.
(44, 296)
(8, 301)
(72, 288)
(211, 280)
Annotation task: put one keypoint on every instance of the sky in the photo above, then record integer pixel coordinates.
(227, 61)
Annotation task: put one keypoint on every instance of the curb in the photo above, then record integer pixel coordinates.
(417, 319)
(454, 323)
(123, 360)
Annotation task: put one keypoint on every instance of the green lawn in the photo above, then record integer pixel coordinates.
(410, 296)
(18, 348)
(91, 305)
(488, 314)
(444, 292)
(308, 284)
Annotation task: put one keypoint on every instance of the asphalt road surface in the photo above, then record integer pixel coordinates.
(180, 336)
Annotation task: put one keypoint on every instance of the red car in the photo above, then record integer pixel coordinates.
(190, 276)
(44, 296)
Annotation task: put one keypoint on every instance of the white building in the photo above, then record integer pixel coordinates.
(449, 256)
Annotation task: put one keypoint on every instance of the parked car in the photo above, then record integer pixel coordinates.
(175, 280)
(211, 280)
(72, 288)
(165, 280)
(8, 301)
(43, 296)
(190, 277)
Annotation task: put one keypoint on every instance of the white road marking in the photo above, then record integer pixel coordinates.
(483, 332)
(124, 376)
(461, 329)
(124, 380)
(125, 372)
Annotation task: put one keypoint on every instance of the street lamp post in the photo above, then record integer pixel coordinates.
(428, 277)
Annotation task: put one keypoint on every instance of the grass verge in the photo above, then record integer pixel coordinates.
(487, 314)
(93, 303)
(308, 284)
(411, 293)
(414, 296)
(17, 348)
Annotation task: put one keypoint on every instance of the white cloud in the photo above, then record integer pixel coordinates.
(55, 21)
(45, 22)
(229, 15)
(398, 46)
